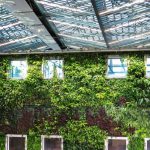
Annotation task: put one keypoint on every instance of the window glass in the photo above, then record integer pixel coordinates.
(116, 144)
(18, 69)
(52, 144)
(148, 67)
(16, 143)
(148, 144)
(53, 67)
(117, 68)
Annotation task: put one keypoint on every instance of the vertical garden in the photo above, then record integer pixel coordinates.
(85, 107)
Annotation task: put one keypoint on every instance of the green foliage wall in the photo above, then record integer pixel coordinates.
(2, 141)
(84, 107)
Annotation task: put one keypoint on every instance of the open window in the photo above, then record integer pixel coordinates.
(116, 67)
(116, 143)
(50, 68)
(18, 69)
(16, 142)
(147, 144)
(53, 142)
(147, 61)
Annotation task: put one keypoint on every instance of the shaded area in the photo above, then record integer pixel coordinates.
(16, 143)
(52, 144)
(116, 144)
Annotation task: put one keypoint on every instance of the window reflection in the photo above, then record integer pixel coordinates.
(117, 68)
(18, 69)
(148, 67)
(53, 67)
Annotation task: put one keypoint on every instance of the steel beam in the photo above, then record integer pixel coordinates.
(100, 22)
(43, 19)
(65, 51)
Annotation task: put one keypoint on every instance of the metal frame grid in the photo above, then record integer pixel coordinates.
(14, 36)
(110, 24)
(81, 24)
(74, 22)
(126, 23)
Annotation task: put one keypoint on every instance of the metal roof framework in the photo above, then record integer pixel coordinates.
(81, 25)
(14, 36)
(74, 22)
(102, 24)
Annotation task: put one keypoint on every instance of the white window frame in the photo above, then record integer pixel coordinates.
(50, 137)
(116, 138)
(145, 60)
(145, 143)
(115, 77)
(50, 59)
(10, 70)
(15, 135)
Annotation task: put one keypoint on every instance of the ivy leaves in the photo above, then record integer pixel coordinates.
(85, 86)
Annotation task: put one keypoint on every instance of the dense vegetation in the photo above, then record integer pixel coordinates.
(84, 107)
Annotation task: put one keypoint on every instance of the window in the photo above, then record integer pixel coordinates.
(18, 69)
(147, 144)
(116, 143)
(51, 68)
(148, 67)
(117, 67)
(16, 142)
(53, 142)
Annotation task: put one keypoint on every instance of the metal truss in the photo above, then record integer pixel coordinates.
(74, 22)
(14, 36)
(110, 24)
(81, 24)
(126, 23)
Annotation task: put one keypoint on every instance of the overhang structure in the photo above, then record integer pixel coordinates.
(53, 26)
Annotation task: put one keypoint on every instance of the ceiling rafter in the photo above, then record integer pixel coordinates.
(100, 23)
(52, 30)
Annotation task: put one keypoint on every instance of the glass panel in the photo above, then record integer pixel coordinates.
(18, 69)
(16, 143)
(48, 70)
(52, 144)
(117, 67)
(52, 67)
(148, 145)
(59, 69)
(116, 144)
(148, 67)
(122, 26)
(74, 21)
(15, 36)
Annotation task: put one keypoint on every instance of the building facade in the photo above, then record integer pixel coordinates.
(81, 98)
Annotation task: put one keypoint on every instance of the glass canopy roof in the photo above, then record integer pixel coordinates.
(14, 35)
(125, 23)
(78, 24)
(74, 21)
(21, 30)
